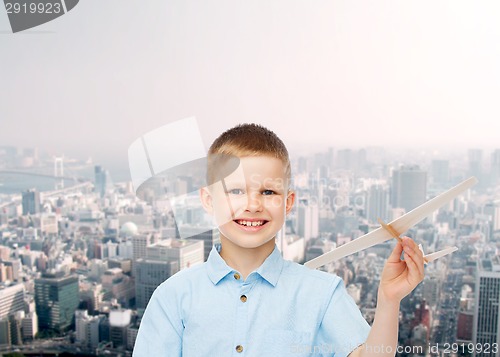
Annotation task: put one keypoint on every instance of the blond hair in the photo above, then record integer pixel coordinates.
(246, 140)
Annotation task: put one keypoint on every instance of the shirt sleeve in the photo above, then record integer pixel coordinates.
(343, 328)
(161, 329)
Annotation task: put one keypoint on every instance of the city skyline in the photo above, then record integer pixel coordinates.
(382, 105)
(120, 170)
(333, 74)
(122, 247)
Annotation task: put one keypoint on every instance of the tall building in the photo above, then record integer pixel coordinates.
(132, 331)
(119, 320)
(377, 202)
(16, 319)
(409, 187)
(303, 165)
(124, 264)
(440, 172)
(495, 167)
(186, 252)
(4, 253)
(87, 330)
(49, 223)
(475, 160)
(209, 238)
(353, 160)
(91, 293)
(9, 270)
(345, 159)
(101, 180)
(118, 285)
(31, 202)
(486, 329)
(140, 242)
(30, 325)
(11, 299)
(5, 339)
(125, 250)
(465, 322)
(56, 299)
(430, 289)
(307, 219)
(149, 274)
(163, 260)
(346, 223)
(492, 210)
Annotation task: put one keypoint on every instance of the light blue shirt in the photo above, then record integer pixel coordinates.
(281, 309)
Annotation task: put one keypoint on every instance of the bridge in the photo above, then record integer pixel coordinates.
(26, 173)
(18, 198)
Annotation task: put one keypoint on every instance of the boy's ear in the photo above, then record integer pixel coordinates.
(290, 199)
(206, 200)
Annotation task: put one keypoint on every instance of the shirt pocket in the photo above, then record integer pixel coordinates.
(289, 343)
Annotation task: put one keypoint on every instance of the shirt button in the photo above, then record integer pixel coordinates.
(239, 348)
(236, 276)
(243, 298)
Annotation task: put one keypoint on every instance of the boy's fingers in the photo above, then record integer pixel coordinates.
(416, 258)
(414, 273)
(395, 256)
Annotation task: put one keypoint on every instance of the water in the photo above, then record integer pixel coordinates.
(18, 183)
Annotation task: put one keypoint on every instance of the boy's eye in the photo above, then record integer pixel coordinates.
(268, 192)
(236, 191)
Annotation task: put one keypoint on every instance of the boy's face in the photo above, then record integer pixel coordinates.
(251, 203)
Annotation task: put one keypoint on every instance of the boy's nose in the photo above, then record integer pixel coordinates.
(254, 202)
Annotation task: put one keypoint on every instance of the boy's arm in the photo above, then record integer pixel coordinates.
(399, 278)
(160, 332)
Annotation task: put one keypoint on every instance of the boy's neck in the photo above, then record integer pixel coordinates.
(244, 260)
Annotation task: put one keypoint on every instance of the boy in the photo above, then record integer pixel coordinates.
(246, 300)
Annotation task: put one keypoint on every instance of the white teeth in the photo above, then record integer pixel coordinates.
(251, 223)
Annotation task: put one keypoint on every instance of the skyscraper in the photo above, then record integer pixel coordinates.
(101, 180)
(440, 172)
(492, 209)
(495, 167)
(56, 299)
(486, 328)
(307, 219)
(149, 274)
(31, 202)
(377, 202)
(164, 259)
(140, 242)
(475, 158)
(409, 187)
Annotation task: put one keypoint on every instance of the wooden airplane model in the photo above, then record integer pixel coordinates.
(395, 228)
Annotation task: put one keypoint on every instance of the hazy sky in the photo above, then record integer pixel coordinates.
(336, 73)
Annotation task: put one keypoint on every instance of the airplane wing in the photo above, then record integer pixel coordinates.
(376, 236)
(433, 256)
(401, 224)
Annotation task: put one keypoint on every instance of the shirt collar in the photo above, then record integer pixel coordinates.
(270, 270)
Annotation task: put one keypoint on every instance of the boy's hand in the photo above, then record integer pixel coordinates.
(400, 277)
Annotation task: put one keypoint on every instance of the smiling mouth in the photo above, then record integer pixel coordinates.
(245, 223)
